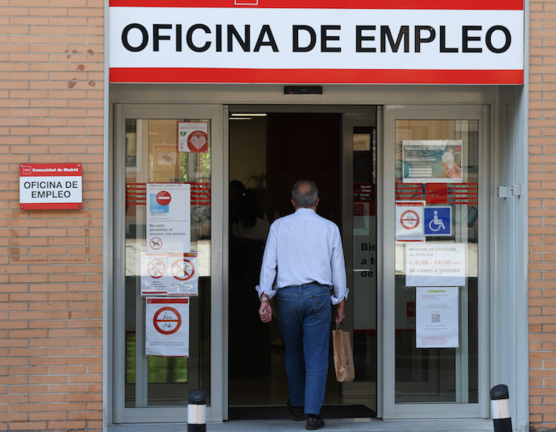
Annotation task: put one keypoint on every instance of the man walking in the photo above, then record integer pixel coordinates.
(304, 255)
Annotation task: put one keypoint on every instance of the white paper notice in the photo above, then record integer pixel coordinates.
(167, 327)
(435, 264)
(193, 137)
(154, 274)
(437, 317)
(168, 217)
(409, 221)
(183, 273)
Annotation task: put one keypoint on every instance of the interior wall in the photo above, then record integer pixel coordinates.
(308, 146)
(248, 150)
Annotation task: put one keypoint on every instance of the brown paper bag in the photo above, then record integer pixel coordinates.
(343, 355)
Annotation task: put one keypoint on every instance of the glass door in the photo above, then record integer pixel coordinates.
(165, 208)
(360, 221)
(435, 262)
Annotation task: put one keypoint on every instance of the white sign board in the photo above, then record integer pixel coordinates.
(168, 217)
(435, 264)
(193, 137)
(167, 327)
(173, 274)
(437, 317)
(154, 274)
(409, 221)
(308, 43)
(50, 186)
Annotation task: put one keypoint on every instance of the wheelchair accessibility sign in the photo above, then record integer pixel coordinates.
(438, 221)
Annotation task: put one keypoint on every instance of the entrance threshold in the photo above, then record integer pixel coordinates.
(333, 425)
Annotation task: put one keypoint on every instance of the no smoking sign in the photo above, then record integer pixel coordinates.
(409, 221)
(167, 327)
(163, 197)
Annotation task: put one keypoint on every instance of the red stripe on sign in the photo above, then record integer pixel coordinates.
(165, 300)
(328, 4)
(314, 76)
(51, 206)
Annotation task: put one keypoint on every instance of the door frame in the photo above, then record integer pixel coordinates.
(481, 113)
(391, 97)
(121, 414)
(349, 114)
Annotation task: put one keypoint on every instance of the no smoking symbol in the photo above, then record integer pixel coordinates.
(167, 320)
(183, 269)
(163, 198)
(409, 219)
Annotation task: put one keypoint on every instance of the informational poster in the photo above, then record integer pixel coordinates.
(168, 217)
(432, 161)
(154, 274)
(437, 317)
(409, 221)
(167, 327)
(172, 274)
(193, 137)
(435, 264)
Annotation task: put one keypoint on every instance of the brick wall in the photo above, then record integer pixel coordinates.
(542, 215)
(51, 110)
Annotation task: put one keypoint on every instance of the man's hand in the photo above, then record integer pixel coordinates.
(339, 315)
(265, 311)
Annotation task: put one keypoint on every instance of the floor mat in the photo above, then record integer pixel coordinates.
(282, 413)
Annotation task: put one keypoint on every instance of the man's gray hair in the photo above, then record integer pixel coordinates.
(306, 199)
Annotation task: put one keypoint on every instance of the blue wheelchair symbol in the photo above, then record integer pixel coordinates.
(438, 221)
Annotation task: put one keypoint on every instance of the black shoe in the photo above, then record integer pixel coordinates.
(296, 412)
(314, 422)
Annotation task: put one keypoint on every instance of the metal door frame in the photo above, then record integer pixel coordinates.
(167, 111)
(441, 112)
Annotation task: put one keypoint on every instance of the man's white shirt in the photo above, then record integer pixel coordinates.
(304, 248)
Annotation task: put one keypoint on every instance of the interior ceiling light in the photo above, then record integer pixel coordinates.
(250, 115)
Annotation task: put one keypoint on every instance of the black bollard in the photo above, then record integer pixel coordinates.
(500, 399)
(197, 411)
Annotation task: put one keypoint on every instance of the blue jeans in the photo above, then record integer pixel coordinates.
(305, 313)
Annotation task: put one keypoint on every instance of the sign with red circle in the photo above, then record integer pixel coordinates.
(163, 197)
(156, 268)
(197, 142)
(183, 269)
(167, 320)
(410, 219)
(156, 243)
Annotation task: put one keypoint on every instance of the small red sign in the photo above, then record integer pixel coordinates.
(409, 219)
(163, 198)
(437, 193)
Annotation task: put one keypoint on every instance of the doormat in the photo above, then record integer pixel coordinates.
(282, 413)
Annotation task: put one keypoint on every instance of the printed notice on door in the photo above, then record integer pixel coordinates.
(432, 161)
(437, 317)
(168, 217)
(167, 327)
(435, 264)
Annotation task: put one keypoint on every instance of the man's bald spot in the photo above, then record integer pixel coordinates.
(305, 194)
